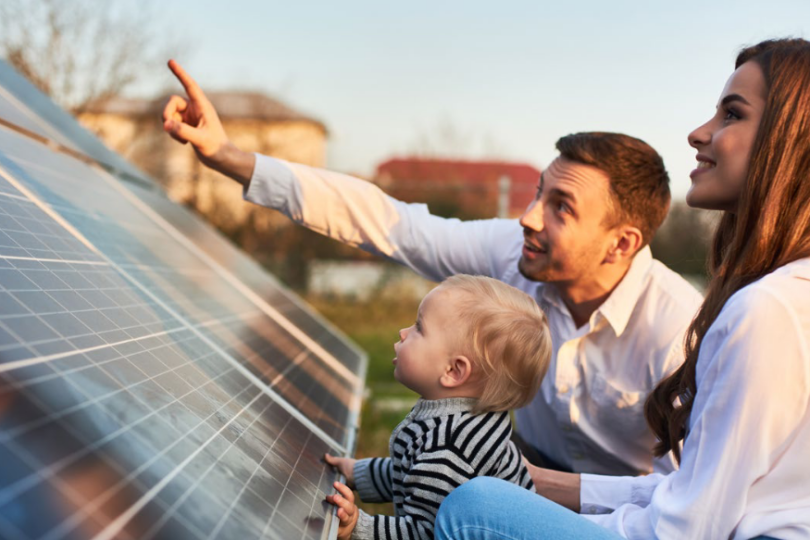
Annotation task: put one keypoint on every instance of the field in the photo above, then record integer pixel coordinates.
(374, 326)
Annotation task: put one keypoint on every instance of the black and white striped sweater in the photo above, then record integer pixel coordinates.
(436, 448)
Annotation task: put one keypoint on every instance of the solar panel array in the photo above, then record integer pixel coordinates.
(154, 381)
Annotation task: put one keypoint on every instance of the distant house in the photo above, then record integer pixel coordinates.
(254, 122)
(465, 189)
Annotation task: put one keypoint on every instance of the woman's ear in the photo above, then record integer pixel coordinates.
(457, 372)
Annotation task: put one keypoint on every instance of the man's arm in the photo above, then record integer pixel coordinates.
(358, 213)
(347, 209)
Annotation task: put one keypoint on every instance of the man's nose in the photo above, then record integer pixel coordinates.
(532, 218)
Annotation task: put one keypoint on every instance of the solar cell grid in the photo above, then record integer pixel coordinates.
(251, 274)
(154, 381)
(120, 448)
(173, 274)
(134, 399)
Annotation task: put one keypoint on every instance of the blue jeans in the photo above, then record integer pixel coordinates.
(489, 508)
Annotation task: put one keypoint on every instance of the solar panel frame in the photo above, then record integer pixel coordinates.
(60, 128)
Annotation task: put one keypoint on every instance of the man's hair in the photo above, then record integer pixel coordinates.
(506, 338)
(639, 183)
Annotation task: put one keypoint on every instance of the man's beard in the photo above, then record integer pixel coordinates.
(541, 274)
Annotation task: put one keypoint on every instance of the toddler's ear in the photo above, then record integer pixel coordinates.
(457, 372)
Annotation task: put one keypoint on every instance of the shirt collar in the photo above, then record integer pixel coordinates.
(622, 301)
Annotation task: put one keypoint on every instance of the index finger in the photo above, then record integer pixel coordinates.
(192, 88)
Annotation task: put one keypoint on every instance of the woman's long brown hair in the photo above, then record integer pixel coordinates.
(769, 228)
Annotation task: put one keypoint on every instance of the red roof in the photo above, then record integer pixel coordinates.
(419, 178)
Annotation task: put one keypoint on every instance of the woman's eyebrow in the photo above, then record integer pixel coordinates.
(734, 97)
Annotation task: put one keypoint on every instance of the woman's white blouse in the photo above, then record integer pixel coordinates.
(745, 470)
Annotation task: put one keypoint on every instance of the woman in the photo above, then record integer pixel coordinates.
(739, 404)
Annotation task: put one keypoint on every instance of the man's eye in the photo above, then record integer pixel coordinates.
(538, 193)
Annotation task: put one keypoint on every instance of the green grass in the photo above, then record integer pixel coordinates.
(374, 325)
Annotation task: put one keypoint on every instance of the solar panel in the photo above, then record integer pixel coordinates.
(31, 110)
(154, 382)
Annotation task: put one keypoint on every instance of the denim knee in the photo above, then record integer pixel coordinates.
(463, 501)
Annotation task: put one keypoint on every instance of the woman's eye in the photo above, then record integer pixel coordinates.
(731, 114)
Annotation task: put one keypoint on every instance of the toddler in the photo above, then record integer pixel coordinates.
(478, 348)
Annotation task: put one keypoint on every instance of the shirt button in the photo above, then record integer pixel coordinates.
(563, 389)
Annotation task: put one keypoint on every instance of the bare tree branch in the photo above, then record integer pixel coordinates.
(81, 51)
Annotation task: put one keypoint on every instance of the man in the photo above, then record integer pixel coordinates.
(617, 317)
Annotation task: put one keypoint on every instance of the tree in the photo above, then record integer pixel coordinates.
(81, 51)
(683, 241)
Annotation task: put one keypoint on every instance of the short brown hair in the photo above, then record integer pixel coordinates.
(507, 338)
(639, 183)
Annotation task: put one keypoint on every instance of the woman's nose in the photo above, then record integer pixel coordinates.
(700, 136)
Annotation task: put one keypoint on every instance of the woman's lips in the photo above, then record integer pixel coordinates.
(704, 164)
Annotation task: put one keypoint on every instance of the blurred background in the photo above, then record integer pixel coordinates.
(455, 104)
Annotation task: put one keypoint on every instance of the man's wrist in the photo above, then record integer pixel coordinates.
(235, 163)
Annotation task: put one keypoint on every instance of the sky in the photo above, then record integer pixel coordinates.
(481, 80)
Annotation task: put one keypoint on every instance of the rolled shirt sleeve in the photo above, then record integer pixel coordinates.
(358, 213)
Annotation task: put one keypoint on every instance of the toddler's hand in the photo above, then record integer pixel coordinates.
(347, 511)
(344, 466)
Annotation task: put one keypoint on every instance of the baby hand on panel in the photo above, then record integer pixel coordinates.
(347, 511)
(344, 466)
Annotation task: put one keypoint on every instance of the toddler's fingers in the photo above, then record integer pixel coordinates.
(344, 505)
(344, 490)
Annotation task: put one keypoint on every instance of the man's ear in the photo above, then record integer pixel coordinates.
(625, 244)
(457, 372)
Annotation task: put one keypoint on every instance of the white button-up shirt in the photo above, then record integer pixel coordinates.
(745, 470)
(588, 414)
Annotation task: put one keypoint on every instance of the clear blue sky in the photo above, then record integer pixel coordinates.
(508, 78)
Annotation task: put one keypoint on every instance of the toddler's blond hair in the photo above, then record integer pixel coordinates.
(506, 337)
